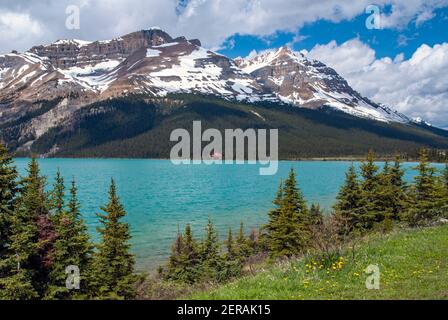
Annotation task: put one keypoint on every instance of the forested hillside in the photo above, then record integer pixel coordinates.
(136, 127)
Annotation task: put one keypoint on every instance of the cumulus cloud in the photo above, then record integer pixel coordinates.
(403, 12)
(416, 87)
(349, 56)
(212, 21)
(19, 29)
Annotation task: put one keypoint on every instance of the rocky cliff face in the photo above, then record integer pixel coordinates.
(78, 53)
(75, 73)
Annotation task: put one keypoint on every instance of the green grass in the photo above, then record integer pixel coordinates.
(413, 265)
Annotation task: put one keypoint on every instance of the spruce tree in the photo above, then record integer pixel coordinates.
(8, 190)
(57, 195)
(399, 202)
(385, 199)
(72, 248)
(190, 257)
(348, 202)
(242, 243)
(316, 214)
(368, 213)
(268, 230)
(113, 263)
(175, 266)
(426, 194)
(210, 247)
(445, 183)
(25, 267)
(445, 176)
(231, 251)
(253, 242)
(186, 258)
(288, 234)
(232, 260)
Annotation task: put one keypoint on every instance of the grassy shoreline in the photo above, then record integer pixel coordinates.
(413, 265)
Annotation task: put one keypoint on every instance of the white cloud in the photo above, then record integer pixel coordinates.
(349, 56)
(212, 21)
(416, 87)
(18, 29)
(403, 12)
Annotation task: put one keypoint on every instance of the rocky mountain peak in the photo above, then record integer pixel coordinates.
(308, 83)
(152, 63)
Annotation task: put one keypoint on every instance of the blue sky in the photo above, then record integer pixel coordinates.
(385, 42)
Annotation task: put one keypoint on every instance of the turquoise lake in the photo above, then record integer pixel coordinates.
(160, 196)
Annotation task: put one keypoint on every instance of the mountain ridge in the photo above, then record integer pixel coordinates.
(47, 86)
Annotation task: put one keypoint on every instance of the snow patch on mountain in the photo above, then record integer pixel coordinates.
(419, 120)
(76, 42)
(92, 77)
(197, 72)
(152, 53)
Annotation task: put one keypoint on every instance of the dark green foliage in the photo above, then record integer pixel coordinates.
(254, 242)
(392, 197)
(242, 243)
(210, 252)
(316, 215)
(288, 226)
(231, 249)
(191, 263)
(26, 267)
(378, 199)
(348, 202)
(368, 213)
(190, 256)
(185, 261)
(175, 266)
(399, 186)
(8, 190)
(232, 261)
(381, 199)
(37, 246)
(427, 193)
(445, 182)
(72, 248)
(272, 226)
(57, 195)
(113, 264)
(445, 176)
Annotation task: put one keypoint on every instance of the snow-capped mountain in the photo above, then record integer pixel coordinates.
(148, 61)
(307, 83)
(151, 63)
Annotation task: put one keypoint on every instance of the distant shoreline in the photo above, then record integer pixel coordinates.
(341, 159)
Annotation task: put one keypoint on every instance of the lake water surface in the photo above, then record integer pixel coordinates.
(160, 196)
